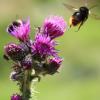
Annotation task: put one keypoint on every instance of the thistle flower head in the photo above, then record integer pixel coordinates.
(54, 26)
(14, 51)
(54, 64)
(44, 46)
(39, 55)
(20, 29)
(16, 97)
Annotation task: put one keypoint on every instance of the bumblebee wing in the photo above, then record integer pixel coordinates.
(70, 7)
(86, 3)
(93, 6)
(92, 15)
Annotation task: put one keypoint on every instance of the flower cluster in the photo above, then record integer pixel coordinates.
(39, 55)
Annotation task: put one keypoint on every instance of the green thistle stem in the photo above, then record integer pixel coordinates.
(26, 85)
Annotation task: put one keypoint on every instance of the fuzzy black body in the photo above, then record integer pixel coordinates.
(79, 17)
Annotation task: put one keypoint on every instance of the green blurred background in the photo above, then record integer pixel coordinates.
(79, 77)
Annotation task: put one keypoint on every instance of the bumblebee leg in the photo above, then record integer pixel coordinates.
(80, 26)
(70, 26)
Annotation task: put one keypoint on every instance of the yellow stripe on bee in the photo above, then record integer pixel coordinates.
(70, 21)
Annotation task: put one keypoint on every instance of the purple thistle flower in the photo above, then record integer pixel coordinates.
(54, 64)
(20, 29)
(39, 55)
(54, 26)
(44, 46)
(15, 52)
(16, 97)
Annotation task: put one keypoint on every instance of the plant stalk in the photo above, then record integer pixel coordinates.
(26, 85)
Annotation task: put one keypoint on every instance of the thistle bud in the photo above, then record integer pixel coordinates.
(15, 52)
(16, 97)
(54, 65)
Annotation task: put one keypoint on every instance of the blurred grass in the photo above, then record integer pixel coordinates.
(79, 77)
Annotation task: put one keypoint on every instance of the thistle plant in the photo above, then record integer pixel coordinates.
(39, 55)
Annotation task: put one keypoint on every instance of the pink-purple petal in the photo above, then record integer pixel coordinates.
(54, 26)
(20, 29)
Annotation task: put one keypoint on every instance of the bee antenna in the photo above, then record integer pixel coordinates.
(70, 26)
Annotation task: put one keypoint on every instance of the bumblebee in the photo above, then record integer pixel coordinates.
(80, 15)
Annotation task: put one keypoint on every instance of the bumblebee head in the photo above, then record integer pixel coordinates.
(84, 10)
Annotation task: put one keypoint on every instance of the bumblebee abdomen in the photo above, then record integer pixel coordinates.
(74, 21)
